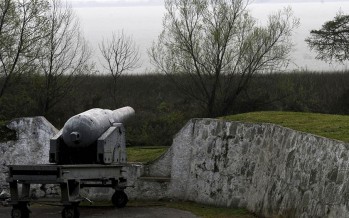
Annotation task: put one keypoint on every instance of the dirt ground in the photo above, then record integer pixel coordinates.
(44, 211)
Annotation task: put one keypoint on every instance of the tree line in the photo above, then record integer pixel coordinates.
(41, 37)
(213, 58)
(41, 42)
(217, 43)
(161, 109)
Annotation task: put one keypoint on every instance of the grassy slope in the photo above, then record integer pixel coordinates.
(207, 211)
(330, 126)
(144, 154)
(201, 210)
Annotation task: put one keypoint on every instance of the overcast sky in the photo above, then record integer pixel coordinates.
(92, 3)
(99, 18)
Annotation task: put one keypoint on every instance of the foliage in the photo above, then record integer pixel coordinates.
(120, 55)
(40, 37)
(64, 55)
(218, 47)
(144, 154)
(331, 42)
(6, 134)
(330, 126)
(164, 122)
(160, 109)
(22, 27)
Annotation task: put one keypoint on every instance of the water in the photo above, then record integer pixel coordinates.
(144, 23)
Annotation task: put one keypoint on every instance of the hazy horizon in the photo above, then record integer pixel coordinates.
(145, 24)
(116, 3)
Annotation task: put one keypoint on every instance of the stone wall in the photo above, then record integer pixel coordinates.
(268, 169)
(31, 146)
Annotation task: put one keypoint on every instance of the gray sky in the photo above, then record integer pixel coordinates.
(93, 3)
(99, 18)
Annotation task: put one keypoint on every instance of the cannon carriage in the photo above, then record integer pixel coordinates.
(89, 151)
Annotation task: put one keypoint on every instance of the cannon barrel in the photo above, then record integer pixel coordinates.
(85, 128)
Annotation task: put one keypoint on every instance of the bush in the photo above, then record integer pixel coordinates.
(161, 110)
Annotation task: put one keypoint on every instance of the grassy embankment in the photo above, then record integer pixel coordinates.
(330, 126)
(207, 211)
(201, 210)
(145, 154)
(326, 125)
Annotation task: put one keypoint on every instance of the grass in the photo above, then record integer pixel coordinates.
(207, 211)
(201, 210)
(145, 154)
(329, 126)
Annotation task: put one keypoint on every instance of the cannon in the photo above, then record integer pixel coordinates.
(89, 151)
(94, 136)
(83, 129)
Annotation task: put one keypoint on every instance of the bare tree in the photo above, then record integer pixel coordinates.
(331, 42)
(21, 29)
(218, 47)
(64, 55)
(120, 54)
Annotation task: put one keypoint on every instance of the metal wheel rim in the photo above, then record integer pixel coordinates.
(119, 199)
(16, 213)
(69, 213)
